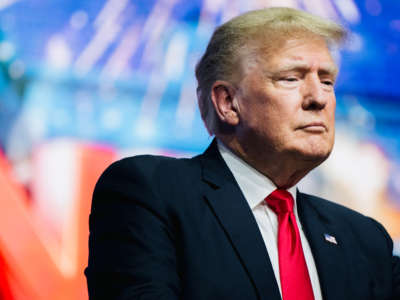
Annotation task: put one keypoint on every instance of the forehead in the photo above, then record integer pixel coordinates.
(299, 52)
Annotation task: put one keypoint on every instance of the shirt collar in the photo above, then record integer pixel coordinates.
(254, 185)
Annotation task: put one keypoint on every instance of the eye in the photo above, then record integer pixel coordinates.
(289, 79)
(327, 82)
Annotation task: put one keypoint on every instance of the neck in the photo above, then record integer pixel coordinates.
(284, 170)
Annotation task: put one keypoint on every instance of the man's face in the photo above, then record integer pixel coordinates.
(287, 102)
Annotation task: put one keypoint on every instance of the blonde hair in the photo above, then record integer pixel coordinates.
(228, 42)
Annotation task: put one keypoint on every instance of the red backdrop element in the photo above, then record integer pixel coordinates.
(5, 290)
(27, 269)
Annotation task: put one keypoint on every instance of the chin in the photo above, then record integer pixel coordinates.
(315, 156)
(313, 152)
(310, 144)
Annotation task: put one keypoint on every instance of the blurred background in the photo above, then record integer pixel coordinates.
(83, 83)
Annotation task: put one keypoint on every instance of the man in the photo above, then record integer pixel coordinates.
(230, 224)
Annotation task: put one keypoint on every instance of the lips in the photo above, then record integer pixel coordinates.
(314, 126)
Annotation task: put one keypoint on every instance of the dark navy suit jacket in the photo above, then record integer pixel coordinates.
(164, 228)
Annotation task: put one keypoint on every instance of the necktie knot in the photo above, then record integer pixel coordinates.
(280, 201)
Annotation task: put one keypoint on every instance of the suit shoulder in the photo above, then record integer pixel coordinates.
(143, 165)
(138, 172)
(330, 207)
(143, 180)
(354, 220)
(133, 163)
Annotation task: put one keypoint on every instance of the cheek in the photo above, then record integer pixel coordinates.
(331, 117)
(332, 105)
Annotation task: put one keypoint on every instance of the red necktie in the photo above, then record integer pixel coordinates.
(295, 280)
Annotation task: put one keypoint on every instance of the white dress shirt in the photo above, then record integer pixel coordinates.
(255, 188)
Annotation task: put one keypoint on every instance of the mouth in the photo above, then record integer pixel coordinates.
(315, 127)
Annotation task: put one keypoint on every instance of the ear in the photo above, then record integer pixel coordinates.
(223, 98)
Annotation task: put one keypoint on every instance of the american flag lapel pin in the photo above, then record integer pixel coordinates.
(329, 238)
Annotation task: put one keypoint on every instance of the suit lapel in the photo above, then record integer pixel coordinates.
(235, 216)
(328, 255)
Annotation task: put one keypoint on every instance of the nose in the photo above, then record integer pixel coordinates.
(314, 96)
